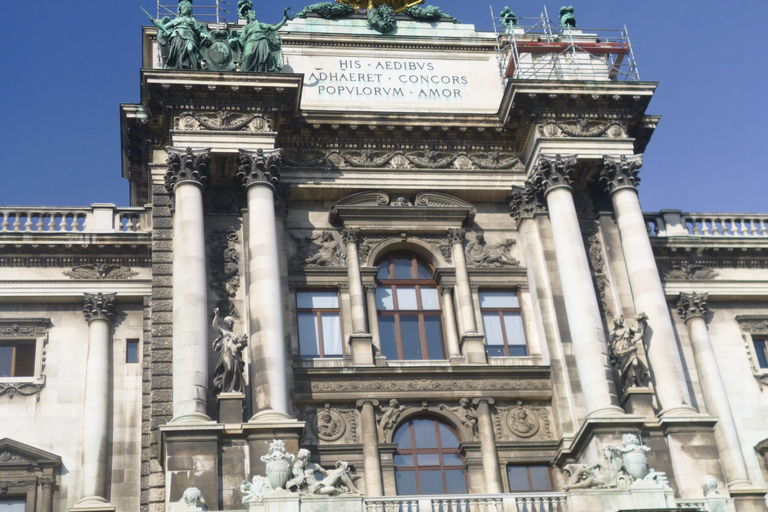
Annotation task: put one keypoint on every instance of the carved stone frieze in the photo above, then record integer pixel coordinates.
(399, 159)
(187, 166)
(753, 324)
(224, 268)
(407, 384)
(522, 421)
(223, 120)
(692, 305)
(99, 306)
(7, 456)
(77, 261)
(583, 128)
(620, 172)
(481, 254)
(599, 271)
(687, 271)
(330, 424)
(22, 388)
(100, 271)
(553, 171)
(322, 250)
(370, 206)
(20, 329)
(260, 167)
(524, 203)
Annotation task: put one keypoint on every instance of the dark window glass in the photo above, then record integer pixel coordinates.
(17, 359)
(503, 323)
(529, 478)
(132, 351)
(427, 460)
(761, 349)
(319, 322)
(410, 323)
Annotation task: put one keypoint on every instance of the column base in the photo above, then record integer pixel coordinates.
(92, 504)
(749, 500)
(193, 417)
(361, 346)
(639, 402)
(685, 411)
(473, 348)
(231, 407)
(612, 411)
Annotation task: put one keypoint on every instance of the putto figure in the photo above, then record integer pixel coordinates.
(180, 39)
(228, 375)
(261, 42)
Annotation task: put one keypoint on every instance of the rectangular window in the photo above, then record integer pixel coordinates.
(531, 478)
(761, 351)
(12, 504)
(319, 319)
(17, 359)
(503, 323)
(132, 351)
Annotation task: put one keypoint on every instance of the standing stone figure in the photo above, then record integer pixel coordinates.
(624, 347)
(180, 39)
(261, 42)
(228, 375)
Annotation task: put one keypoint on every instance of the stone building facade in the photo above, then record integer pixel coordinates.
(435, 273)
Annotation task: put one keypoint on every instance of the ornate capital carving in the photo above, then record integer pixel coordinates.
(99, 306)
(481, 399)
(370, 287)
(553, 172)
(524, 202)
(456, 236)
(259, 167)
(445, 288)
(343, 287)
(692, 305)
(350, 235)
(367, 401)
(620, 172)
(187, 166)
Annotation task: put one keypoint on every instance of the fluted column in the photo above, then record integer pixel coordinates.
(552, 179)
(99, 310)
(360, 339)
(449, 320)
(692, 308)
(371, 461)
(488, 445)
(260, 174)
(619, 179)
(186, 179)
(373, 316)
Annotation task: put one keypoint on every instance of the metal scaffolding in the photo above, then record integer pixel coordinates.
(220, 12)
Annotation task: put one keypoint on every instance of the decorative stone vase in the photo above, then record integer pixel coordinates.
(278, 464)
(635, 464)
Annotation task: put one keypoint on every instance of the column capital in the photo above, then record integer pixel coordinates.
(260, 167)
(483, 399)
(524, 202)
(456, 236)
(370, 287)
(367, 401)
(99, 306)
(48, 481)
(445, 288)
(187, 166)
(620, 172)
(350, 235)
(553, 171)
(692, 305)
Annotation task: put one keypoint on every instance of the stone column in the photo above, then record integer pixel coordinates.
(47, 484)
(488, 445)
(552, 180)
(260, 174)
(99, 310)
(373, 316)
(472, 343)
(186, 178)
(449, 320)
(619, 179)
(692, 308)
(360, 339)
(371, 461)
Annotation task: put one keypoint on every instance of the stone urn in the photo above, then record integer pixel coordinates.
(278, 464)
(635, 464)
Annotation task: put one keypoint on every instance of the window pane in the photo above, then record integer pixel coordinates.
(434, 329)
(452, 459)
(403, 437)
(384, 300)
(429, 298)
(431, 482)
(406, 298)
(447, 438)
(25, 360)
(132, 351)
(513, 325)
(428, 459)
(424, 272)
(405, 482)
(403, 268)
(317, 299)
(387, 336)
(331, 334)
(517, 351)
(518, 478)
(498, 299)
(12, 505)
(6, 360)
(308, 335)
(424, 433)
(403, 460)
(540, 479)
(456, 481)
(383, 270)
(492, 328)
(409, 333)
(762, 357)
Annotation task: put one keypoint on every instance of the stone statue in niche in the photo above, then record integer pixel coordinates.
(625, 342)
(181, 39)
(480, 254)
(466, 414)
(230, 367)
(261, 43)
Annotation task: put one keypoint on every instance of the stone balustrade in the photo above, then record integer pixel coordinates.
(540, 502)
(105, 218)
(668, 223)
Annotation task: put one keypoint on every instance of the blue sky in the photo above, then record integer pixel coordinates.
(67, 66)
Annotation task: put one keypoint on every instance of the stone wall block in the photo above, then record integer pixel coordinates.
(161, 342)
(156, 494)
(162, 222)
(162, 395)
(163, 234)
(162, 382)
(162, 269)
(163, 369)
(161, 257)
(162, 306)
(160, 330)
(161, 246)
(162, 318)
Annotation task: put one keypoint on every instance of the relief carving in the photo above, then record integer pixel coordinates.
(224, 268)
(424, 159)
(22, 388)
(599, 274)
(522, 421)
(322, 250)
(100, 271)
(223, 121)
(483, 255)
(688, 271)
(369, 386)
(12, 457)
(466, 414)
(329, 424)
(368, 244)
(388, 415)
(583, 128)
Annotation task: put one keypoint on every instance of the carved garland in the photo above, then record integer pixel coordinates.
(754, 325)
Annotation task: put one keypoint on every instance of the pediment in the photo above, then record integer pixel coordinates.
(15, 453)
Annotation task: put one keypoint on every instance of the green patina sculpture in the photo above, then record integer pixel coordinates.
(260, 42)
(380, 13)
(508, 20)
(181, 39)
(382, 19)
(429, 13)
(567, 19)
(328, 10)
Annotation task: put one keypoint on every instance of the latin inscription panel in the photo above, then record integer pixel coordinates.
(369, 80)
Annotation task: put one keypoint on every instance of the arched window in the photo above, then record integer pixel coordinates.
(427, 460)
(410, 321)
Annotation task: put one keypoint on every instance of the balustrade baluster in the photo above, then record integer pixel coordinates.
(28, 223)
(5, 224)
(16, 221)
(39, 225)
(52, 222)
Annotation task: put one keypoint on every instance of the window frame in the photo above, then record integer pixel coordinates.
(755, 328)
(318, 318)
(501, 311)
(34, 331)
(417, 284)
(528, 467)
